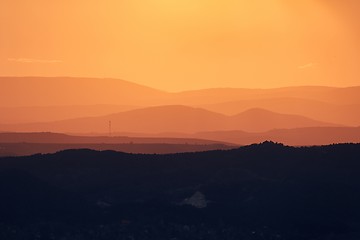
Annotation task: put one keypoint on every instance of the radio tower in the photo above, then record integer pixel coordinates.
(109, 128)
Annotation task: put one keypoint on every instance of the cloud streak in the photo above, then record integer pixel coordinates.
(32, 60)
(309, 65)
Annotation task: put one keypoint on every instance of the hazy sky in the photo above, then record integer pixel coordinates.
(184, 44)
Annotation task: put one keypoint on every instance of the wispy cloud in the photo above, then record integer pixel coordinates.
(32, 60)
(308, 65)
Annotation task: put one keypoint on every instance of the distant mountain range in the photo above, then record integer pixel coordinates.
(45, 91)
(174, 118)
(304, 115)
(43, 99)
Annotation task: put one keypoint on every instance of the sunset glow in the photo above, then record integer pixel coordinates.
(190, 44)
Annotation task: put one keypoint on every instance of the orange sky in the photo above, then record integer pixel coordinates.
(184, 44)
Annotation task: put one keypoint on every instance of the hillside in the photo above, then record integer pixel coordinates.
(262, 191)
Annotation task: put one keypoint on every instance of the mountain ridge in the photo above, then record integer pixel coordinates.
(117, 91)
(170, 119)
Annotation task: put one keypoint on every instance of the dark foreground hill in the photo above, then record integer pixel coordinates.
(263, 191)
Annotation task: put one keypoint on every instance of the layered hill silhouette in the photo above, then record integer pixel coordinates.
(173, 118)
(349, 95)
(31, 143)
(310, 136)
(32, 91)
(41, 99)
(322, 111)
(52, 138)
(23, 144)
(294, 137)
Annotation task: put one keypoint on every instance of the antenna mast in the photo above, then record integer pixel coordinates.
(109, 128)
